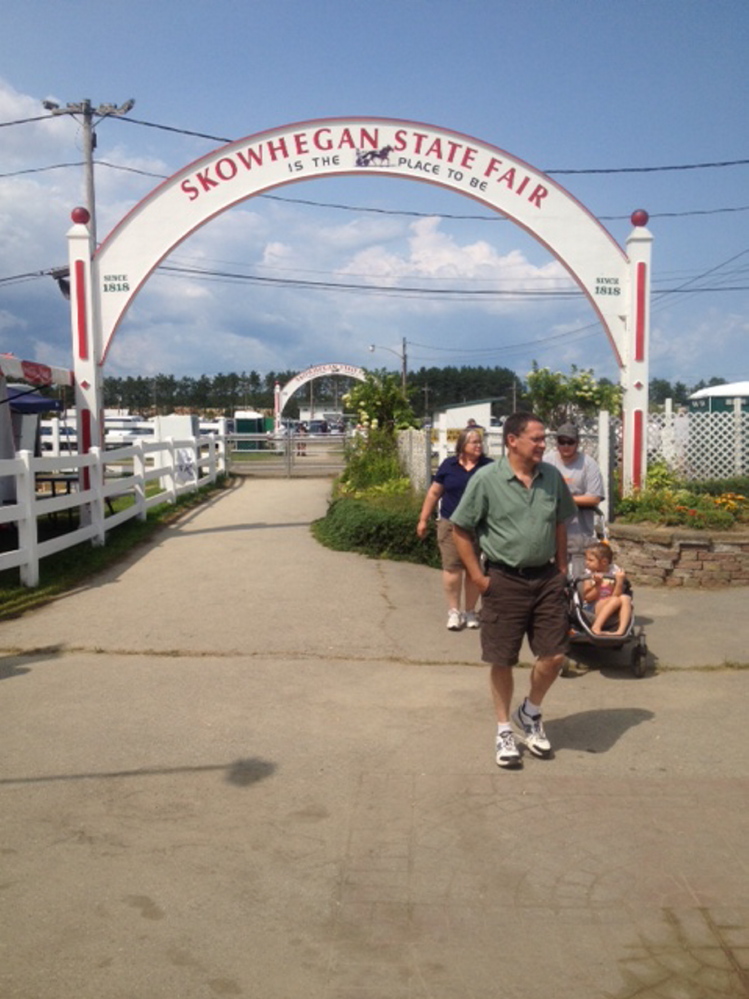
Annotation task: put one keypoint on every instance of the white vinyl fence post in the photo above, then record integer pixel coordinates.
(604, 459)
(139, 474)
(28, 540)
(96, 472)
(737, 441)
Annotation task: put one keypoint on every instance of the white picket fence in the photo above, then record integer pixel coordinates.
(91, 482)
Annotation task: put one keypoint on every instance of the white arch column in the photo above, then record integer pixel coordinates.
(87, 354)
(635, 373)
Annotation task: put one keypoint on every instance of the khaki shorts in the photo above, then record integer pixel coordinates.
(514, 607)
(448, 552)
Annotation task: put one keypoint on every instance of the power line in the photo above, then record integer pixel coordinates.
(375, 211)
(716, 164)
(471, 294)
(23, 121)
(597, 170)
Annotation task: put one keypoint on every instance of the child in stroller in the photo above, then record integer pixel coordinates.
(606, 591)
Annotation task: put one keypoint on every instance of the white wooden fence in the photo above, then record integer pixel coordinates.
(91, 482)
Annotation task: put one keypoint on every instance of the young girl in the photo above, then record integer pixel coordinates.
(604, 591)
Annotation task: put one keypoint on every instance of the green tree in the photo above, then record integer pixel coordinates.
(659, 390)
(379, 402)
(555, 397)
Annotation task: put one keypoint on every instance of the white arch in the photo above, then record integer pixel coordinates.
(282, 395)
(103, 289)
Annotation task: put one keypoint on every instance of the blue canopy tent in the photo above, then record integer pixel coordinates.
(23, 399)
(20, 406)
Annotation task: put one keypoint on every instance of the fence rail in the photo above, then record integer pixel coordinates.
(695, 445)
(90, 483)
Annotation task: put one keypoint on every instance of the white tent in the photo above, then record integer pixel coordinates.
(722, 391)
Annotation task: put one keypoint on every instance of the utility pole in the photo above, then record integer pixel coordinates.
(425, 390)
(87, 114)
(402, 354)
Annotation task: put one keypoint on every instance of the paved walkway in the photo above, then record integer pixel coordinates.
(239, 764)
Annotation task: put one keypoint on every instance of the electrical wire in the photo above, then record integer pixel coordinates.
(494, 217)
(435, 294)
(550, 172)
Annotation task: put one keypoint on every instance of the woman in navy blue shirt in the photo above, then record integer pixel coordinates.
(446, 489)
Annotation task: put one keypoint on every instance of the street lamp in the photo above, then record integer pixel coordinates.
(398, 353)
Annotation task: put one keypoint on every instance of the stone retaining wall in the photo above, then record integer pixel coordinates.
(668, 556)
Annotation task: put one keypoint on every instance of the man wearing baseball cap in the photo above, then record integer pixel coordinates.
(585, 482)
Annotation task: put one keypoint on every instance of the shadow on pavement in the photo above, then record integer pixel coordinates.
(241, 773)
(16, 664)
(594, 731)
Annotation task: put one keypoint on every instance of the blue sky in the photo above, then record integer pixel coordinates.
(565, 86)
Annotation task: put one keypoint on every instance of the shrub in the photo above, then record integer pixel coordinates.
(380, 524)
(371, 460)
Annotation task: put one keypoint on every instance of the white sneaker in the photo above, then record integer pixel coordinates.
(532, 730)
(508, 756)
(472, 619)
(454, 620)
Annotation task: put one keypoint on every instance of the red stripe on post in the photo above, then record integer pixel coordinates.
(86, 442)
(637, 449)
(640, 318)
(80, 305)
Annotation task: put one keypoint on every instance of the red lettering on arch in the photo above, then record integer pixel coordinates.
(232, 168)
(508, 177)
(246, 158)
(371, 139)
(322, 144)
(419, 137)
(539, 193)
(346, 139)
(468, 157)
(205, 181)
(277, 149)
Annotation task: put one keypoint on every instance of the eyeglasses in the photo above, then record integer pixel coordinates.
(565, 441)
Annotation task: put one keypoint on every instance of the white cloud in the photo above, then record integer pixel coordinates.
(191, 325)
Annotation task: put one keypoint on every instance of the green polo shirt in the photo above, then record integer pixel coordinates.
(515, 524)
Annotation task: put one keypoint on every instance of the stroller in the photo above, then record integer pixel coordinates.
(581, 619)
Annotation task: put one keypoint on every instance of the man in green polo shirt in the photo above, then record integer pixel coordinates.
(518, 507)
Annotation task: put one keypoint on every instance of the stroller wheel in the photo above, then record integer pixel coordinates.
(639, 657)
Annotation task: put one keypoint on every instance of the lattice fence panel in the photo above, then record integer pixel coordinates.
(701, 445)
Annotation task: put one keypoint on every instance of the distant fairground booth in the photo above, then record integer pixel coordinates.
(616, 283)
(282, 395)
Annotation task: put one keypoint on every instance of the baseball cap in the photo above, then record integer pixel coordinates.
(569, 430)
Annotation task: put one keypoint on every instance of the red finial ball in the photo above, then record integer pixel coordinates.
(81, 216)
(639, 217)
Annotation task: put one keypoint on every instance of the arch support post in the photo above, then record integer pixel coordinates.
(635, 372)
(86, 341)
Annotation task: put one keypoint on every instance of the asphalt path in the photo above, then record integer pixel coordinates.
(239, 764)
